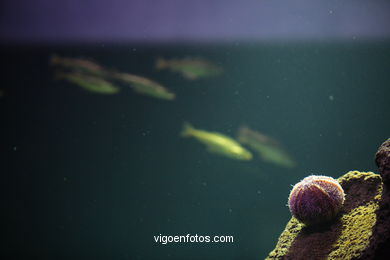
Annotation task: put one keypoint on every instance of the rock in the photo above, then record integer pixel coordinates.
(344, 238)
(380, 242)
(362, 231)
(382, 159)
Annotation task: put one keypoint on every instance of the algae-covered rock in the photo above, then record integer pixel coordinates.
(380, 241)
(361, 231)
(344, 238)
(382, 159)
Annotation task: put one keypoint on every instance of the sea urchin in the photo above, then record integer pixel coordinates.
(316, 199)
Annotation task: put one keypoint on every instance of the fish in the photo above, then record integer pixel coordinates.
(144, 86)
(268, 149)
(190, 68)
(79, 65)
(89, 83)
(95, 78)
(217, 143)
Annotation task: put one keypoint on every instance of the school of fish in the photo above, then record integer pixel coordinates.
(95, 78)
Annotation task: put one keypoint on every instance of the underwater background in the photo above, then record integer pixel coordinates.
(97, 176)
(91, 171)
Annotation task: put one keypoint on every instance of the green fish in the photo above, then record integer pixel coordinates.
(190, 68)
(89, 83)
(145, 86)
(268, 149)
(218, 143)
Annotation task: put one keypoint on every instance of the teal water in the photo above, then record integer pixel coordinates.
(94, 176)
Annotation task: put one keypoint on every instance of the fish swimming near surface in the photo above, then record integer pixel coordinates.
(218, 143)
(89, 83)
(79, 65)
(190, 68)
(144, 86)
(268, 149)
(95, 78)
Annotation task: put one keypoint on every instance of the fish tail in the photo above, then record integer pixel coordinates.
(187, 130)
(54, 59)
(59, 75)
(161, 63)
(242, 134)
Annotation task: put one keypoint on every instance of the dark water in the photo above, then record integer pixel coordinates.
(93, 176)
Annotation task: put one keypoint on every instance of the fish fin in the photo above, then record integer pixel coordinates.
(187, 130)
(216, 151)
(212, 149)
(161, 63)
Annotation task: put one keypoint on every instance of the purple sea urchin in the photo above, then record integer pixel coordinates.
(316, 199)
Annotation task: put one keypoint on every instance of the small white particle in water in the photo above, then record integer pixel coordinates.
(230, 210)
(15, 148)
(331, 98)
(258, 192)
(204, 183)
(330, 11)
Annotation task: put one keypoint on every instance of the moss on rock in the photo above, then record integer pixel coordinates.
(344, 238)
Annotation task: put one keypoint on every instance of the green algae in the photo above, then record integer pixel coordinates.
(286, 239)
(353, 229)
